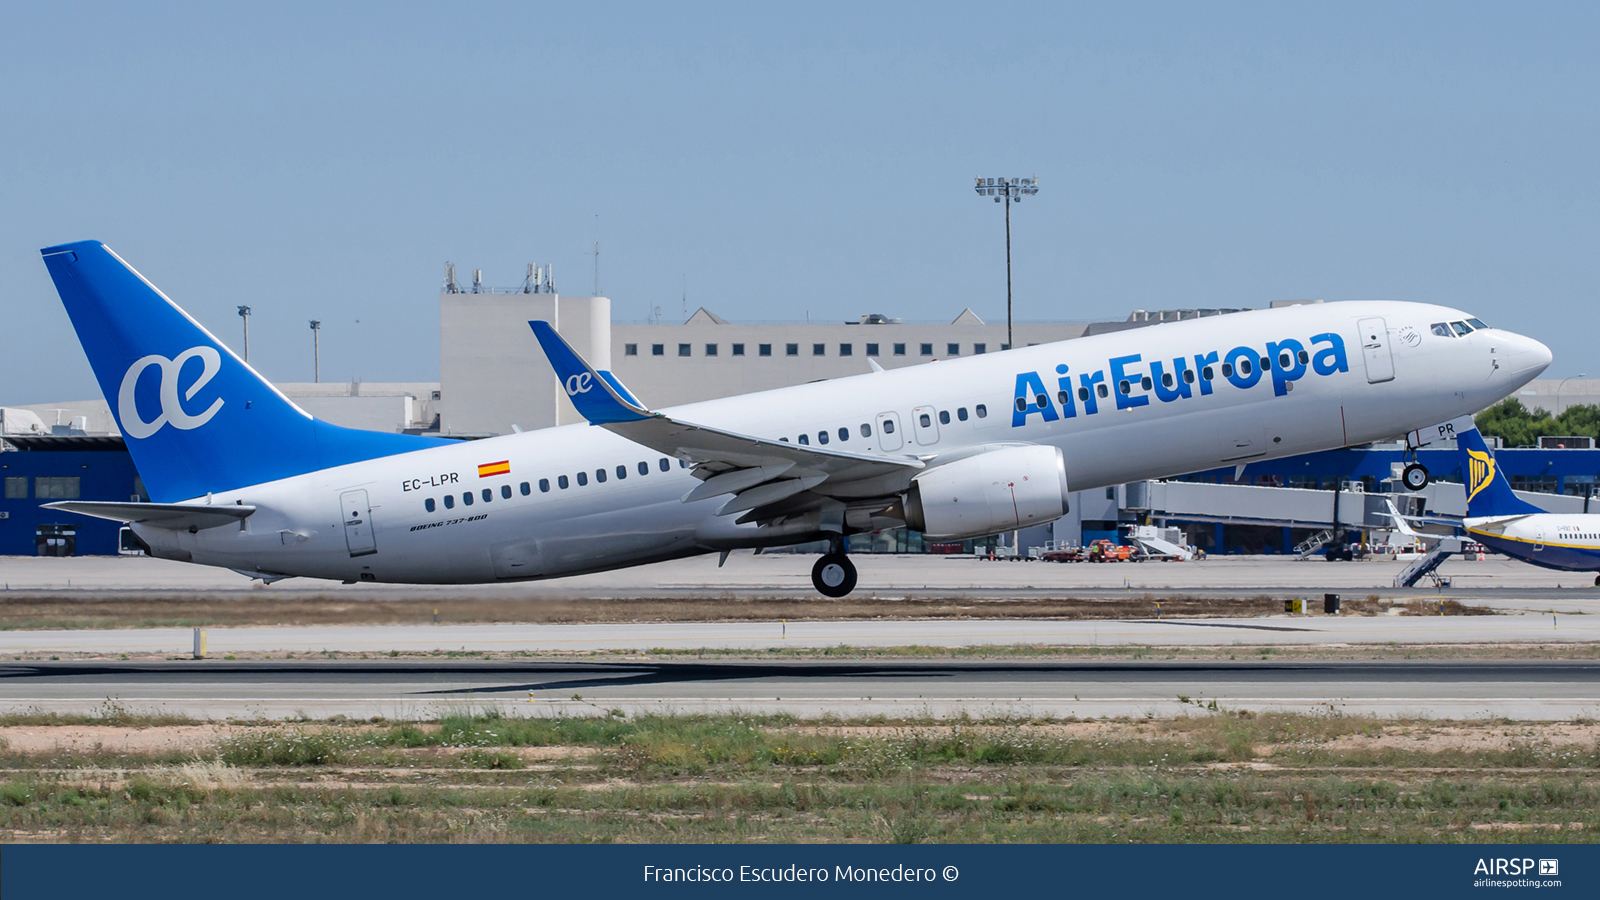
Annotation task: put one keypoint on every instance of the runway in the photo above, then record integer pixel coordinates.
(1496, 581)
(641, 637)
(1545, 690)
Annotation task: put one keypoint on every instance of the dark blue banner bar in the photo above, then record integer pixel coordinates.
(643, 871)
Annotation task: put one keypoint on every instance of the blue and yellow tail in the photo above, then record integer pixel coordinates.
(196, 418)
(1488, 491)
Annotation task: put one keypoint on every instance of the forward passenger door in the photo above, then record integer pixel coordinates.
(889, 436)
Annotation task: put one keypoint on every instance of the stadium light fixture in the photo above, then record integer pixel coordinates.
(1008, 190)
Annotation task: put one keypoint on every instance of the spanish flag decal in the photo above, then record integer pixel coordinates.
(503, 467)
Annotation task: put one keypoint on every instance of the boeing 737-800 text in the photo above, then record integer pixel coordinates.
(242, 478)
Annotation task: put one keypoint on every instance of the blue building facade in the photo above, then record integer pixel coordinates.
(63, 468)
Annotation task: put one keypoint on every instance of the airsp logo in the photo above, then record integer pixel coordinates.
(579, 384)
(172, 410)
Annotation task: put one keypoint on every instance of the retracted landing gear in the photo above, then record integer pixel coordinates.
(834, 575)
(1414, 477)
(1597, 581)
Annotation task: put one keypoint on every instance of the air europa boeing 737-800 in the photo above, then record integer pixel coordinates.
(240, 477)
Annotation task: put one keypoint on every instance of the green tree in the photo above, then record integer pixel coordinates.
(1519, 426)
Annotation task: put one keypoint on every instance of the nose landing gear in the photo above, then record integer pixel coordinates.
(834, 575)
(1414, 477)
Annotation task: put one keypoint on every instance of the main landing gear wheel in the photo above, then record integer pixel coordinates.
(1414, 477)
(834, 575)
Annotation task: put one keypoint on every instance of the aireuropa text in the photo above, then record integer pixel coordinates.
(793, 873)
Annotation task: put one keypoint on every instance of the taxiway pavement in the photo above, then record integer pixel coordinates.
(404, 689)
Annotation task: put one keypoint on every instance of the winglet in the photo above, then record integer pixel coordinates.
(596, 396)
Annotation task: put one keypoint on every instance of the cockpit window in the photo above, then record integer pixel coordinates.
(1441, 329)
(1461, 328)
(1477, 323)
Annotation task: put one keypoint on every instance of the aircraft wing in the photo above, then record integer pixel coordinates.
(760, 470)
(177, 516)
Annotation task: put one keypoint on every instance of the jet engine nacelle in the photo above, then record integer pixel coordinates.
(1001, 490)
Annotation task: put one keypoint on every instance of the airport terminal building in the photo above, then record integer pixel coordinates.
(494, 380)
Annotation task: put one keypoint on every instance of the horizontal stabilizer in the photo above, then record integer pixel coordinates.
(176, 516)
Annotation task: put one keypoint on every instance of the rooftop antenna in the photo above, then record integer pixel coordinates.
(450, 286)
(477, 281)
(244, 313)
(686, 296)
(597, 255)
(530, 282)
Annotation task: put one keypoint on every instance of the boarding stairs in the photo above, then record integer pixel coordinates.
(1309, 547)
(1153, 541)
(1427, 565)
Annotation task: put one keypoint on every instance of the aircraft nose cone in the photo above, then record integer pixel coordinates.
(1528, 357)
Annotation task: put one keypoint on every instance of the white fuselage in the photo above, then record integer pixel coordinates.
(1413, 379)
(1568, 541)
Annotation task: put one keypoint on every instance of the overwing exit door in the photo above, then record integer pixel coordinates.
(358, 534)
(1375, 350)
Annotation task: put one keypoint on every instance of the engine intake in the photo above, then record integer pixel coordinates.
(1001, 490)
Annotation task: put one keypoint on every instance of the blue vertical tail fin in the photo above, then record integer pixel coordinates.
(196, 418)
(1488, 490)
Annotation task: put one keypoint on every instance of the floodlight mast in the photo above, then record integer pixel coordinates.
(1008, 189)
(244, 313)
(316, 351)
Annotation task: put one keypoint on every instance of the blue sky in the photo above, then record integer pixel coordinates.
(324, 160)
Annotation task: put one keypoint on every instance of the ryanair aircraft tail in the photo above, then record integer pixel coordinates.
(1488, 491)
(196, 418)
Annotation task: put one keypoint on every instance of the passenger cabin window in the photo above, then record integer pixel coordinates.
(1145, 382)
(544, 485)
(1022, 404)
(1304, 357)
(644, 467)
(630, 349)
(1125, 387)
(764, 349)
(665, 465)
(449, 501)
(428, 504)
(526, 490)
(899, 349)
(1207, 374)
(1166, 381)
(622, 472)
(1441, 329)
(1227, 370)
(944, 417)
(467, 498)
(1461, 328)
(561, 482)
(1083, 394)
(600, 476)
(1100, 389)
(866, 430)
(1284, 360)
(583, 479)
(982, 411)
(658, 349)
(822, 437)
(505, 491)
(487, 495)
(804, 439)
(844, 433)
(1188, 376)
(961, 413)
